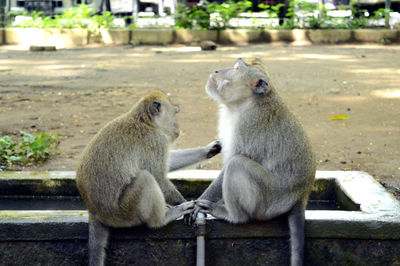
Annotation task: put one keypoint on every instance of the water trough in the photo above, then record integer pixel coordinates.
(350, 219)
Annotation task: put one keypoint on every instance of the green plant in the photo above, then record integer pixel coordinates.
(272, 10)
(227, 10)
(77, 17)
(7, 153)
(196, 17)
(317, 17)
(291, 22)
(381, 13)
(30, 149)
(199, 16)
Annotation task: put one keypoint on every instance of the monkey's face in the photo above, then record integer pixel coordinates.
(166, 119)
(237, 84)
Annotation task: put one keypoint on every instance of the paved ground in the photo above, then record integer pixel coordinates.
(75, 92)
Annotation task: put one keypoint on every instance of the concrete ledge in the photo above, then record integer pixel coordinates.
(115, 36)
(27, 36)
(370, 236)
(241, 36)
(58, 225)
(192, 36)
(329, 36)
(376, 36)
(65, 38)
(61, 38)
(144, 36)
(2, 35)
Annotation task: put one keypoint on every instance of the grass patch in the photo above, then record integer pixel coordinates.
(27, 150)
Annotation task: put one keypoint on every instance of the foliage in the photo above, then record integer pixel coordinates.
(199, 16)
(196, 17)
(272, 10)
(302, 14)
(30, 149)
(227, 10)
(290, 21)
(214, 15)
(381, 13)
(77, 17)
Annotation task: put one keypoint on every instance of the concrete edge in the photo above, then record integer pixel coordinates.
(372, 198)
(50, 225)
(364, 190)
(2, 36)
(72, 37)
(373, 222)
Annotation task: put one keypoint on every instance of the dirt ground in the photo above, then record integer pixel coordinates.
(75, 92)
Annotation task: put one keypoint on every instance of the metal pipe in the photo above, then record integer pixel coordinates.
(201, 232)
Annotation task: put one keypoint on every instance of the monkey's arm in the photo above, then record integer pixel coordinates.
(212, 194)
(214, 191)
(182, 158)
(172, 195)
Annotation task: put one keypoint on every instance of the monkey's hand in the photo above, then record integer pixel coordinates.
(213, 149)
(190, 218)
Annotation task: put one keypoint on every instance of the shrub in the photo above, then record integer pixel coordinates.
(29, 150)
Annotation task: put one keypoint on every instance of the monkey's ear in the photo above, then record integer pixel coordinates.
(155, 108)
(261, 87)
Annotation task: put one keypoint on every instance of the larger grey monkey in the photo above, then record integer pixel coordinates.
(122, 173)
(269, 166)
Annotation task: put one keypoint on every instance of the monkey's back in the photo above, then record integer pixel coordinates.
(113, 157)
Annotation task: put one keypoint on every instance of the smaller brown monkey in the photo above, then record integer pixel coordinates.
(122, 173)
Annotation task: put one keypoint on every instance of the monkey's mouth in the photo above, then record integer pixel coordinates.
(177, 132)
(212, 81)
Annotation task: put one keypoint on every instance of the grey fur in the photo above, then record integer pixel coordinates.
(269, 166)
(122, 173)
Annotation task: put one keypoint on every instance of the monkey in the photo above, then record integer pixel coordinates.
(122, 172)
(268, 162)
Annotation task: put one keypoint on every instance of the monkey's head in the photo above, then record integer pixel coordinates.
(235, 85)
(157, 109)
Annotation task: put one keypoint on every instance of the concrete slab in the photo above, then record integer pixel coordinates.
(191, 36)
(115, 36)
(142, 36)
(369, 236)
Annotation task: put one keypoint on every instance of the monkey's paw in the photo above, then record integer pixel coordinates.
(186, 207)
(205, 205)
(190, 218)
(213, 148)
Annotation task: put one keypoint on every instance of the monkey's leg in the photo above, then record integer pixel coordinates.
(183, 158)
(142, 201)
(250, 191)
(171, 193)
(212, 194)
(296, 219)
(249, 188)
(98, 237)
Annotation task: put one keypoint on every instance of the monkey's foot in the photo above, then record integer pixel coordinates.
(177, 211)
(216, 209)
